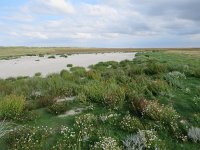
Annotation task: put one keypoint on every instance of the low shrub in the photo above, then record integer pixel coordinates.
(155, 68)
(4, 128)
(28, 138)
(144, 139)
(27, 116)
(138, 105)
(94, 91)
(38, 74)
(78, 71)
(81, 98)
(158, 112)
(130, 124)
(44, 101)
(63, 55)
(196, 103)
(58, 108)
(114, 96)
(52, 57)
(93, 75)
(135, 70)
(110, 118)
(106, 143)
(151, 140)
(68, 139)
(157, 87)
(197, 73)
(194, 134)
(69, 65)
(134, 142)
(85, 124)
(197, 119)
(174, 78)
(11, 106)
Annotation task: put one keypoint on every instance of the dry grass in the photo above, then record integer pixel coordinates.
(18, 51)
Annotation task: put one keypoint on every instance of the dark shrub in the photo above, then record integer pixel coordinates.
(58, 108)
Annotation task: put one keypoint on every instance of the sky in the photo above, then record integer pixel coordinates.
(100, 23)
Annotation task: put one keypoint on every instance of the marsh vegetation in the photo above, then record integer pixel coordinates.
(150, 102)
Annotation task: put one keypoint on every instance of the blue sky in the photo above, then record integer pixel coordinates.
(100, 23)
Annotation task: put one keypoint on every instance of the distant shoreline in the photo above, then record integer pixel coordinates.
(23, 51)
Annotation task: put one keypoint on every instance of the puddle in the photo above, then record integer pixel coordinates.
(29, 65)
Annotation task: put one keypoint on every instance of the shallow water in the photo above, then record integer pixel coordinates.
(29, 65)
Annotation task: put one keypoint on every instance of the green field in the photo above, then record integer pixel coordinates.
(151, 102)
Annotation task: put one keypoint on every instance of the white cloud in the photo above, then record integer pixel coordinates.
(118, 21)
(59, 5)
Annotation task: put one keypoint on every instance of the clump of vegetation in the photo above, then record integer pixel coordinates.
(41, 55)
(106, 143)
(58, 108)
(194, 134)
(68, 139)
(64, 55)
(4, 128)
(153, 97)
(154, 67)
(197, 73)
(157, 87)
(144, 139)
(85, 124)
(158, 112)
(114, 96)
(69, 65)
(174, 78)
(27, 137)
(52, 57)
(11, 106)
(135, 142)
(38, 74)
(130, 124)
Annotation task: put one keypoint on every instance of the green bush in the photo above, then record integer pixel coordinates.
(11, 106)
(52, 57)
(69, 65)
(157, 87)
(85, 124)
(108, 94)
(28, 138)
(158, 112)
(38, 74)
(106, 143)
(197, 73)
(174, 78)
(114, 96)
(94, 91)
(130, 124)
(44, 101)
(155, 68)
(78, 71)
(58, 108)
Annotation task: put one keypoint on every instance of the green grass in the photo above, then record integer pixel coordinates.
(123, 84)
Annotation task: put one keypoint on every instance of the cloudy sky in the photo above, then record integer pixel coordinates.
(100, 23)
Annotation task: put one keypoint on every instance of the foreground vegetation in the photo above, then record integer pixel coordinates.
(151, 102)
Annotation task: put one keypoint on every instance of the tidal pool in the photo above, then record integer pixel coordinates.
(29, 65)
